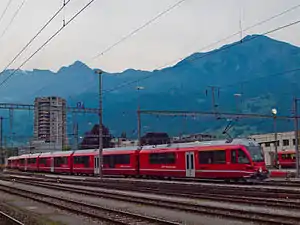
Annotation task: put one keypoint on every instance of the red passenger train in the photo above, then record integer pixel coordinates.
(287, 159)
(235, 160)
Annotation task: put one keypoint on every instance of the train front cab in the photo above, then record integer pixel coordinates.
(228, 163)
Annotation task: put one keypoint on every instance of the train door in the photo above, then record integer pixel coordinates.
(25, 164)
(96, 165)
(52, 164)
(233, 167)
(190, 164)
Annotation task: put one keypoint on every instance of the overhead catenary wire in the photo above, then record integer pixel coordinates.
(12, 19)
(47, 41)
(5, 10)
(236, 33)
(131, 33)
(139, 28)
(35, 36)
(125, 84)
(205, 47)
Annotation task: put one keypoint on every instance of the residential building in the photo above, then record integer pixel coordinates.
(50, 120)
(285, 141)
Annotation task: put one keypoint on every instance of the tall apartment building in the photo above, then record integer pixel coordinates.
(50, 120)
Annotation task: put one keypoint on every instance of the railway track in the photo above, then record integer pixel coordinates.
(89, 210)
(6, 219)
(214, 197)
(280, 183)
(255, 216)
(178, 188)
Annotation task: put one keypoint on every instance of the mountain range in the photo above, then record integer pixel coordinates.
(263, 71)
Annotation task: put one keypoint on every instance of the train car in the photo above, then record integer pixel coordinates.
(239, 159)
(10, 161)
(121, 161)
(287, 159)
(46, 162)
(22, 164)
(62, 162)
(84, 162)
(33, 162)
(14, 162)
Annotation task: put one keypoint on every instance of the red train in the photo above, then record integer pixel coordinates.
(287, 159)
(239, 159)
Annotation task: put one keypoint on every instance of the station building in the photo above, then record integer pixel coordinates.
(285, 141)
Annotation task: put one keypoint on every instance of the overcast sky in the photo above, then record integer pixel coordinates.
(181, 32)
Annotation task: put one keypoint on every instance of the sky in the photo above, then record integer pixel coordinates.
(186, 29)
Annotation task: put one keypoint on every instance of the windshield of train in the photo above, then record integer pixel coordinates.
(256, 153)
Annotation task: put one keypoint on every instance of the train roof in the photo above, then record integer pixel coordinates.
(62, 153)
(34, 155)
(127, 148)
(13, 157)
(57, 153)
(239, 141)
(245, 142)
(24, 156)
(85, 151)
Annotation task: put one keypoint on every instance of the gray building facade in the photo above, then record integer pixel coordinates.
(285, 141)
(50, 120)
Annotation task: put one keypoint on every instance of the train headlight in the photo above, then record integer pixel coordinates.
(260, 169)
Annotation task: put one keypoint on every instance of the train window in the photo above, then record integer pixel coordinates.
(219, 157)
(81, 160)
(242, 157)
(187, 162)
(162, 158)
(22, 161)
(212, 157)
(205, 157)
(233, 156)
(60, 161)
(122, 159)
(116, 159)
(43, 161)
(32, 161)
(286, 142)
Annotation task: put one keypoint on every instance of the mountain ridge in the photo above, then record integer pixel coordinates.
(179, 87)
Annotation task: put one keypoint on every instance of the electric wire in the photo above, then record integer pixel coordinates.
(139, 28)
(125, 84)
(47, 41)
(34, 37)
(109, 48)
(236, 33)
(4, 11)
(12, 19)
